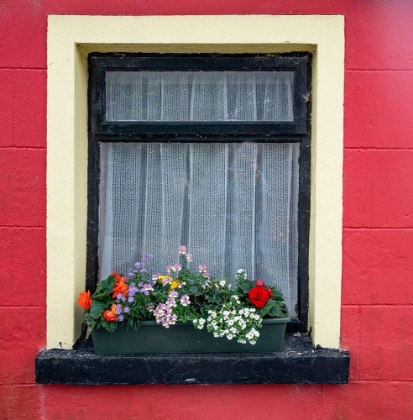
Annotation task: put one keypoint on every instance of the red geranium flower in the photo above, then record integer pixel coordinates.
(259, 295)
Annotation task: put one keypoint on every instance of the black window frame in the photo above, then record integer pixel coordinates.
(297, 131)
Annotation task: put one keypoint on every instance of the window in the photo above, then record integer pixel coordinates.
(72, 38)
(210, 151)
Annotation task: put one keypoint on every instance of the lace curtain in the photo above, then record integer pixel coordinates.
(234, 205)
(199, 96)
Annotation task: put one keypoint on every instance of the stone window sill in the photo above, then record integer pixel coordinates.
(297, 363)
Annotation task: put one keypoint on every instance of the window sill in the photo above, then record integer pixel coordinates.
(297, 363)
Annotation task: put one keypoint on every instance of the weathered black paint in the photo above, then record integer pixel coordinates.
(297, 363)
(100, 63)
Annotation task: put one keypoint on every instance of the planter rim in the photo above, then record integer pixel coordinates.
(264, 321)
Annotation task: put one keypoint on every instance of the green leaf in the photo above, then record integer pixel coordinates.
(273, 309)
(246, 285)
(89, 320)
(108, 284)
(109, 326)
(97, 308)
(276, 294)
(89, 331)
(270, 304)
(104, 289)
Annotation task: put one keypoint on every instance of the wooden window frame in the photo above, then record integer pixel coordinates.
(297, 131)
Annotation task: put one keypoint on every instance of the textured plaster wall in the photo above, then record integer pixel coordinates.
(377, 295)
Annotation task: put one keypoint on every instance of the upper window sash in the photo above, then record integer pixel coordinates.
(105, 126)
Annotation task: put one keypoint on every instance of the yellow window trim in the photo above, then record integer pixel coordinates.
(71, 38)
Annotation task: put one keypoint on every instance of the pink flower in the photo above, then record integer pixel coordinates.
(185, 300)
(202, 268)
(176, 267)
(182, 250)
(189, 257)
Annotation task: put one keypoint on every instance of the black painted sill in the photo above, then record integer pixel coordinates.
(297, 363)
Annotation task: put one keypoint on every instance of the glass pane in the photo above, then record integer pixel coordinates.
(199, 96)
(233, 205)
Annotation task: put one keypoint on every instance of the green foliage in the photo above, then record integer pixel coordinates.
(104, 290)
(108, 326)
(246, 285)
(98, 307)
(188, 296)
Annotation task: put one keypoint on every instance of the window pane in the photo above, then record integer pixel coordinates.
(199, 96)
(233, 205)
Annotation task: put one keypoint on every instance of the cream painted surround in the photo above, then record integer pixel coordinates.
(71, 38)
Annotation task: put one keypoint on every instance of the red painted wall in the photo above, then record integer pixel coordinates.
(377, 301)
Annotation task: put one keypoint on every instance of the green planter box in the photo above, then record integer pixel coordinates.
(151, 337)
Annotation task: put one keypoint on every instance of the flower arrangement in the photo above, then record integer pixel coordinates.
(182, 296)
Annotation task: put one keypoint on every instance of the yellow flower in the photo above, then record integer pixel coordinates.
(174, 284)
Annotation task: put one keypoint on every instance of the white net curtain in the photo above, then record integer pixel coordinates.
(234, 205)
(199, 96)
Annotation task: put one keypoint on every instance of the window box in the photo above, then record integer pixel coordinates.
(151, 337)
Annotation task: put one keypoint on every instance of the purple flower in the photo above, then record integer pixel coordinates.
(138, 264)
(118, 309)
(126, 309)
(148, 256)
(143, 271)
(119, 296)
(130, 299)
(121, 318)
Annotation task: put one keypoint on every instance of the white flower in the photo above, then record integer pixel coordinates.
(222, 283)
